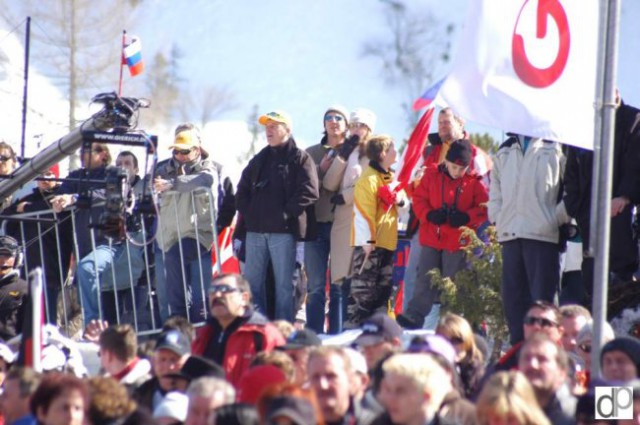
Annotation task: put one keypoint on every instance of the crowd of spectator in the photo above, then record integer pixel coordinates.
(330, 212)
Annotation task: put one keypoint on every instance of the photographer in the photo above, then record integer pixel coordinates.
(113, 265)
(449, 196)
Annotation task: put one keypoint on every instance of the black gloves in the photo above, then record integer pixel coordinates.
(349, 145)
(438, 216)
(337, 199)
(458, 218)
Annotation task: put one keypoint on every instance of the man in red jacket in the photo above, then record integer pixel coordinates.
(235, 332)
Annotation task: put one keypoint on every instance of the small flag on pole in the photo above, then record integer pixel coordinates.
(132, 56)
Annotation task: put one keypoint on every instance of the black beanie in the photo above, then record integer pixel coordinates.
(459, 152)
(627, 345)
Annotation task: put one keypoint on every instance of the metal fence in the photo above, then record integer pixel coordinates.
(156, 271)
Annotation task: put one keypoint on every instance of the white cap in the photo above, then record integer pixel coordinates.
(173, 405)
(364, 116)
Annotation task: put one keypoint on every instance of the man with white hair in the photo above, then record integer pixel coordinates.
(205, 395)
(276, 192)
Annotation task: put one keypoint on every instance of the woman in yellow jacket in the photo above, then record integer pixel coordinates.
(374, 233)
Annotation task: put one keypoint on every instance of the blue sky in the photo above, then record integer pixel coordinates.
(302, 56)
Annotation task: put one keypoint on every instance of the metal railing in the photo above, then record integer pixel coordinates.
(122, 281)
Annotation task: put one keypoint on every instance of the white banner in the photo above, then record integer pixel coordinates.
(528, 66)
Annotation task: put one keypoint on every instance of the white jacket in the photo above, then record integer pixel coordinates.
(523, 195)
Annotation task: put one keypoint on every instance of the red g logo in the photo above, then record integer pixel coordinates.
(526, 71)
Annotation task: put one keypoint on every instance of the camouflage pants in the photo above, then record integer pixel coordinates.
(371, 289)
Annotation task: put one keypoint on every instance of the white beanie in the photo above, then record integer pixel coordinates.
(173, 405)
(364, 116)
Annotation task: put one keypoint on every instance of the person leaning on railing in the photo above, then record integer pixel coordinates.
(185, 226)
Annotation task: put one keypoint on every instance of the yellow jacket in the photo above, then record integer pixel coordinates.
(372, 224)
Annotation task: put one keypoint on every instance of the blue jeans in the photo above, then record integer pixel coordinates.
(280, 248)
(316, 263)
(106, 268)
(178, 291)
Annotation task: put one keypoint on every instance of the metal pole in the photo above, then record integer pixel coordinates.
(27, 43)
(36, 299)
(608, 54)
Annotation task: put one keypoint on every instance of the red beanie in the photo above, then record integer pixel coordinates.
(255, 380)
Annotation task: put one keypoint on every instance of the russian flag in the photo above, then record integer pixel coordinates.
(132, 56)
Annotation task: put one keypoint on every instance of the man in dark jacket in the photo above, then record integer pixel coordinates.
(235, 332)
(276, 191)
(48, 243)
(623, 254)
(13, 290)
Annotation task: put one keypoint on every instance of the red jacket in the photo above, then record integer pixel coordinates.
(437, 188)
(241, 345)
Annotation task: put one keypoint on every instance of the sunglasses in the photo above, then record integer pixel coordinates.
(222, 288)
(336, 118)
(544, 323)
(356, 125)
(5, 158)
(5, 267)
(182, 151)
(585, 347)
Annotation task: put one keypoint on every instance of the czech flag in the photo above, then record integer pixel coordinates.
(132, 57)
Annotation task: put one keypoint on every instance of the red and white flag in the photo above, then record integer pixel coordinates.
(528, 66)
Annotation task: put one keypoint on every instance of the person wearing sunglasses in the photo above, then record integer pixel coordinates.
(185, 186)
(41, 237)
(449, 197)
(316, 258)
(95, 158)
(276, 196)
(341, 179)
(583, 348)
(235, 332)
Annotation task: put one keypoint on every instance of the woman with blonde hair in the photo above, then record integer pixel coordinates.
(470, 361)
(507, 397)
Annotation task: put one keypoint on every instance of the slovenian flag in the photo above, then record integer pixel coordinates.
(132, 57)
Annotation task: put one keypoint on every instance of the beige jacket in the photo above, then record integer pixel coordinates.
(341, 177)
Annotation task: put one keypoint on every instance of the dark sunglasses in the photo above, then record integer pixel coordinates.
(585, 347)
(222, 288)
(5, 158)
(357, 125)
(336, 118)
(544, 323)
(182, 151)
(5, 267)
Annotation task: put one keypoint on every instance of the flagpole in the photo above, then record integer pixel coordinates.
(124, 34)
(36, 299)
(27, 44)
(603, 170)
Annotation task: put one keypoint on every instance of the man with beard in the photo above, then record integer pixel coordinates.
(545, 363)
(235, 332)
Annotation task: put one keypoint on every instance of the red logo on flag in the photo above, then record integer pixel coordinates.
(528, 72)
